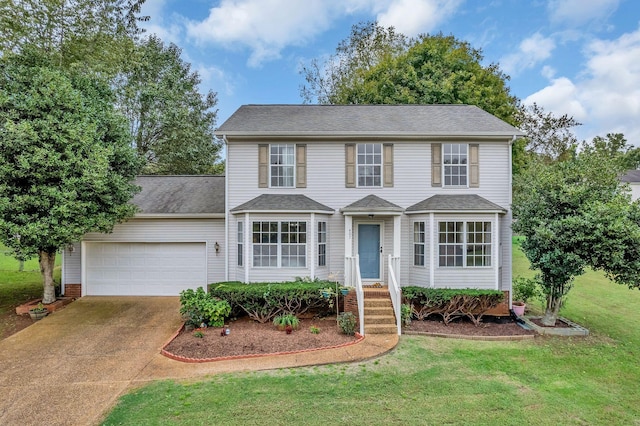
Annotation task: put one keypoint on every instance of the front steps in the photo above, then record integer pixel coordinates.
(378, 312)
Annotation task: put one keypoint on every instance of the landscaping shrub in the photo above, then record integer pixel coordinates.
(347, 323)
(527, 288)
(263, 301)
(198, 307)
(450, 303)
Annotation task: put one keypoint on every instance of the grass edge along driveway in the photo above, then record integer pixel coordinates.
(591, 380)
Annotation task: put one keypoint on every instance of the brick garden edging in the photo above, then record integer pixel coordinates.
(180, 358)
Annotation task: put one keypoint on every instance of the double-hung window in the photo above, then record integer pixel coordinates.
(464, 244)
(322, 243)
(280, 244)
(293, 244)
(454, 159)
(418, 243)
(369, 164)
(265, 244)
(282, 165)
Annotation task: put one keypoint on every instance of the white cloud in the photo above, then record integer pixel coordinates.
(605, 96)
(412, 17)
(157, 24)
(531, 51)
(266, 27)
(579, 12)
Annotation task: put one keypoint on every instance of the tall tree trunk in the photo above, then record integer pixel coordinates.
(21, 266)
(47, 263)
(552, 310)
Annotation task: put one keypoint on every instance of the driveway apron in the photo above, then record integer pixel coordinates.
(70, 367)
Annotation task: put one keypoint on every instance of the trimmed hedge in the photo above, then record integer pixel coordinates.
(451, 303)
(263, 301)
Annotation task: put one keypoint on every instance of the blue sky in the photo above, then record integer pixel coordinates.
(580, 57)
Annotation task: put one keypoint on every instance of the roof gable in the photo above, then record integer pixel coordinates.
(371, 203)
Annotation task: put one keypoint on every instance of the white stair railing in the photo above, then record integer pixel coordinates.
(394, 290)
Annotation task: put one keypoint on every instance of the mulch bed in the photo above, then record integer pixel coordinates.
(12, 323)
(248, 337)
(462, 326)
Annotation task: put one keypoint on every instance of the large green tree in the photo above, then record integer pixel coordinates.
(575, 214)
(66, 164)
(86, 34)
(377, 66)
(171, 123)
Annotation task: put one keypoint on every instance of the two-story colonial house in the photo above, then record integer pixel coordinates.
(349, 192)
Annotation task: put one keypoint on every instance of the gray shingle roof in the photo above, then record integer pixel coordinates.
(282, 202)
(632, 176)
(371, 203)
(180, 194)
(400, 120)
(469, 202)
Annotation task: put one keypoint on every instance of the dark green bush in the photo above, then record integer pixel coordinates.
(198, 307)
(450, 303)
(347, 323)
(263, 301)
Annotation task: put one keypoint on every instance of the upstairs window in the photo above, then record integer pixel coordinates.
(454, 159)
(282, 165)
(369, 164)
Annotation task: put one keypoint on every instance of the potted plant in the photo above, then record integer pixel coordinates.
(344, 290)
(285, 321)
(38, 312)
(523, 290)
(327, 292)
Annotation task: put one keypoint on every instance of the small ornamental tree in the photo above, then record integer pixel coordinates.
(576, 214)
(66, 166)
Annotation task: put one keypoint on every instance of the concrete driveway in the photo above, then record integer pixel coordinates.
(70, 367)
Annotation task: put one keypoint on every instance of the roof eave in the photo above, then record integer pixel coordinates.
(265, 211)
(455, 211)
(261, 135)
(179, 216)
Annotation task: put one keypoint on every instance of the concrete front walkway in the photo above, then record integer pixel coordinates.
(70, 368)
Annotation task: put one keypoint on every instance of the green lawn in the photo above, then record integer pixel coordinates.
(19, 287)
(427, 380)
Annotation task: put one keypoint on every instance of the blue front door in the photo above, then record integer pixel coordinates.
(369, 251)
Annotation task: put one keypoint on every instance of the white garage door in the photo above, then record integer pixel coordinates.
(144, 269)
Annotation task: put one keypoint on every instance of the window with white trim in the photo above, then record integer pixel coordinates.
(282, 165)
(240, 243)
(369, 164)
(280, 244)
(454, 160)
(322, 243)
(478, 243)
(418, 243)
(464, 244)
(265, 244)
(293, 244)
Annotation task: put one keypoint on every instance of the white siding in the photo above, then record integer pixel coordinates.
(208, 231)
(412, 183)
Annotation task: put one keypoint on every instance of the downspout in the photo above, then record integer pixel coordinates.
(226, 210)
(513, 139)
